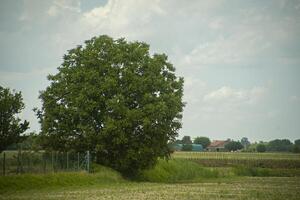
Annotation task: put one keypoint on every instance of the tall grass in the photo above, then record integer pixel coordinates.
(173, 171)
(102, 175)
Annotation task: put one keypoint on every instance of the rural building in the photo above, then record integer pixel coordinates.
(217, 145)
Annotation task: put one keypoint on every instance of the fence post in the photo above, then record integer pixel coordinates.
(52, 160)
(44, 162)
(88, 161)
(78, 161)
(3, 163)
(67, 161)
(19, 164)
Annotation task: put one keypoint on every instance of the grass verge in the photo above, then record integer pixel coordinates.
(101, 176)
(174, 171)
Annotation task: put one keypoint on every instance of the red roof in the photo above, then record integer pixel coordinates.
(218, 143)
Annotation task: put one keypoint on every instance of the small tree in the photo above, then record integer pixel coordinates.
(11, 104)
(245, 142)
(233, 146)
(204, 141)
(186, 140)
(261, 148)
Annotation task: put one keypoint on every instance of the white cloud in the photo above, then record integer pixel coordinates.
(227, 94)
(239, 48)
(62, 6)
(123, 18)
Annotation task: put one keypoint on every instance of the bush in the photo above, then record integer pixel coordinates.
(177, 171)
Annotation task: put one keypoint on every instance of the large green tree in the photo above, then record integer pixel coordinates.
(115, 99)
(11, 104)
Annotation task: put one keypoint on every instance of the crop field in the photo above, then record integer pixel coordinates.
(240, 188)
(236, 155)
(229, 159)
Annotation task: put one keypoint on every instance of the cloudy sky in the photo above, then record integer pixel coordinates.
(240, 59)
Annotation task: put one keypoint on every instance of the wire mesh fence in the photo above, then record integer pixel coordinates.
(19, 162)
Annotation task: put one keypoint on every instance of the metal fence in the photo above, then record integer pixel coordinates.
(19, 162)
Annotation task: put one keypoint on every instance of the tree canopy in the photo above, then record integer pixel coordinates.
(204, 141)
(11, 104)
(245, 142)
(115, 99)
(186, 140)
(280, 145)
(233, 146)
(261, 148)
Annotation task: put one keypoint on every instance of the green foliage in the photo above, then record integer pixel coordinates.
(233, 146)
(113, 98)
(187, 147)
(30, 142)
(283, 145)
(245, 142)
(261, 148)
(296, 149)
(11, 104)
(204, 141)
(177, 171)
(296, 146)
(186, 140)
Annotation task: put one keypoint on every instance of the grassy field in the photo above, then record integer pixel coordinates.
(235, 188)
(178, 178)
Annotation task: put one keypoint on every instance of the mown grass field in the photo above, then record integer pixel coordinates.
(238, 188)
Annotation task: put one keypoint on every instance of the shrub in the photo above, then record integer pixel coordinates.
(177, 171)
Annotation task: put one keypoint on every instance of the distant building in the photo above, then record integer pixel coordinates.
(217, 145)
(195, 147)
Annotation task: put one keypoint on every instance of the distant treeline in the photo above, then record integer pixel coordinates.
(277, 145)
